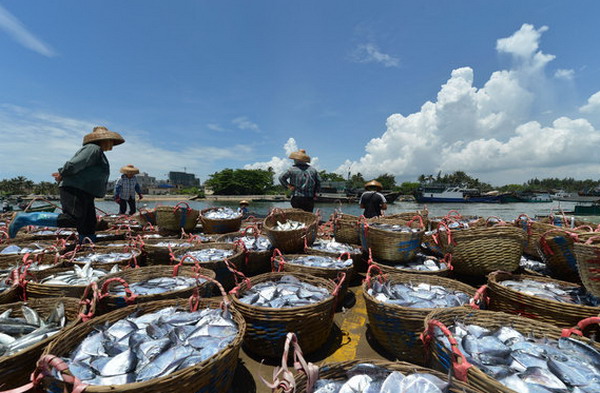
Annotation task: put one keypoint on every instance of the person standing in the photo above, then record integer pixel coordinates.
(372, 200)
(126, 188)
(303, 180)
(81, 179)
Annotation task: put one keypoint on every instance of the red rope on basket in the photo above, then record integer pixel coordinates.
(87, 302)
(581, 325)
(481, 296)
(460, 368)
(129, 295)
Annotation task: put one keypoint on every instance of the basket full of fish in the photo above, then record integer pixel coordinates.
(420, 264)
(332, 268)
(290, 230)
(587, 255)
(362, 375)
(158, 251)
(559, 303)
(43, 252)
(25, 330)
(392, 239)
(257, 249)
(64, 281)
(482, 250)
(333, 248)
(505, 353)
(104, 257)
(162, 346)
(174, 219)
(274, 304)
(220, 220)
(151, 283)
(397, 305)
(222, 258)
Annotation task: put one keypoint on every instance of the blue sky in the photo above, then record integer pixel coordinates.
(503, 90)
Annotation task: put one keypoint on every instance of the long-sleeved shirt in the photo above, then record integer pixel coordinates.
(126, 187)
(87, 170)
(304, 178)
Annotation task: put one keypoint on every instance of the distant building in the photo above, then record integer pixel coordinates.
(183, 180)
(146, 182)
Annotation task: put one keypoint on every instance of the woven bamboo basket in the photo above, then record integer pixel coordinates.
(346, 228)
(281, 263)
(466, 372)
(556, 250)
(563, 315)
(161, 255)
(132, 261)
(222, 268)
(145, 216)
(35, 289)
(389, 245)
(46, 256)
(407, 216)
(293, 241)
(588, 264)
(267, 327)
(108, 302)
(172, 219)
(219, 226)
(533, 231)
(397, 328)
(255, 262)
(16, 369)
(358, 262)
(447, 272)
(479, 251)
(214, 375)
(337, 371)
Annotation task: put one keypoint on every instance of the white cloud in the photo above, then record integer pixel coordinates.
(369, 53)
(243, 123)
(564, 74)
(593, 104)
(488, 130)
(39, 143)
(281, 164)
(215, 127)
(10, 24)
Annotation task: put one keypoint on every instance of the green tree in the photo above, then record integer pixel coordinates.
(330, 176)
(241, 181)
(408, 188)
(356, 181)
(387, 181)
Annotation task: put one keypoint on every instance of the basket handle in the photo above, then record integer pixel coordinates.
(370, 274)
(43, 367)
(341, 278)
(578, 330)
(591, 239)
(89, 303)
(416, 218)
(236, 273)
(480, 298)
(450, 239)
(344, 254)
(3, 236)
(129, 295)
(453, 214)
(581, 227)
(194, 300)
(178, 205)
(544, 243)
(448, 261)
(181, 261)
(460, 365)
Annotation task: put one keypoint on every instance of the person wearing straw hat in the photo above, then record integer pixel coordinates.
(303, 180)
(81, 179)
(372, 200)
(126, 188)
(244, 207)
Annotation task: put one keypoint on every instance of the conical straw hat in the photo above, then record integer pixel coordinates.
(374, 183)
(103, 134)
(300, 155)
(130, 169)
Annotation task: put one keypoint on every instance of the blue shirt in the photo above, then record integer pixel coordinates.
(304, 178)
(126, 187)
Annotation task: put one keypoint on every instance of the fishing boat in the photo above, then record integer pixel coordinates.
(587, 209)
(453, 194)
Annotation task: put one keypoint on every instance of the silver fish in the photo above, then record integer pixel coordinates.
(222, 213)
(289, 225)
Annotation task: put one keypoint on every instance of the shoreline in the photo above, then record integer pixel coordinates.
(225, 198)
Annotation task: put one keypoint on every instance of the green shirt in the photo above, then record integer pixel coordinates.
(304, 178)
(87, 170)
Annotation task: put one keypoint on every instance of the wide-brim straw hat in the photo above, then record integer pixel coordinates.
(244, 202)
(129, 170)
(374, 183)
(103, 134)
(300, 155)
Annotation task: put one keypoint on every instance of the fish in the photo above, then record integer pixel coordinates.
(252, 243)
(289, 225)
(208, 254)
(78, 275)
(553, 291)
(318, 261)
(394, 227)
(139, 348)
(422, 263)
(334, 247)
(222, 213)
(157, 285)
(285, 293)
(111, 257)
(418, 295)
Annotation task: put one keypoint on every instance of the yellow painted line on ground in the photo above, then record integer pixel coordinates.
(353, 330)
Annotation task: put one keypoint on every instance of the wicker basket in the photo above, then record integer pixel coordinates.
(588, 265)
(132, 261)
(16, 369)
(407, 216)
(255, 262)
(482, 250)
(533, 230)
(220, 226)
(161, 255)
(222, 268)
(267, 327)
(444, 359)
(174, 219)
(556, 250)
(293, 241)
(145, 217)
(346, 228)
(214, 375)
(337, 371)
(563, 315)
(389, 245)
(35, 289)
(447, 272)
(281, 263)
(397, 328)
(358, 261)
(108, 302)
